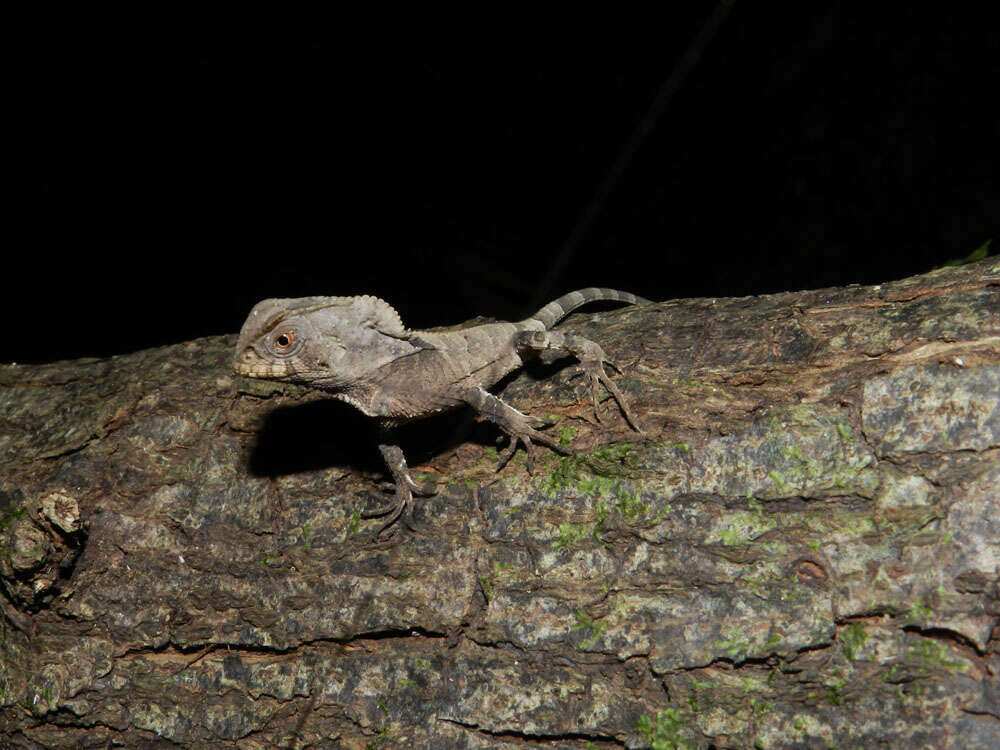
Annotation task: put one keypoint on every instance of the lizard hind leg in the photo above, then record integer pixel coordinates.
(519, 427)
(405, 487)
(592, 360)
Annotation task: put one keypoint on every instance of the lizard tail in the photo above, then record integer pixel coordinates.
(558, 309)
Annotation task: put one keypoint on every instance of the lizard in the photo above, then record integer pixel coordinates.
(357, 350)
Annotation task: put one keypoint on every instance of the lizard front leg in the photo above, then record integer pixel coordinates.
(592, 360)
(520, 427)
(405, 486)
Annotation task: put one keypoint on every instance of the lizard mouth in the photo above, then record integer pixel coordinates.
(250, 365)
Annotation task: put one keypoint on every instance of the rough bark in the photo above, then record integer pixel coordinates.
(805, 552)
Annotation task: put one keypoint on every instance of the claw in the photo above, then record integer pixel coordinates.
(519, 427)
(593, 395)
(594, 371)
(511, 449)
(400, 507)
(404, 487)
(508, 453)
(393, 509)
(525, 438)
(620, 398)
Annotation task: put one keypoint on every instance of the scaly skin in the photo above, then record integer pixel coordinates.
(357, 349)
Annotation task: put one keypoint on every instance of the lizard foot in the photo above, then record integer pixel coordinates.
(400, 506)
(405, 487)
(593, 370)
(521, 429)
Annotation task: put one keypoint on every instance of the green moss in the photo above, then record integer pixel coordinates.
(731, 536)
(628, 505)
(760, 708)
(744, 526)
(594, 472)
(811, 464)
(919, 610)
(664, 732)
(833, 692)
(687, 382)
(354, 522)
(934, 653)
(487, 584)
(13, 517)
(852, 638)
(567, 433)
(379, 742)
(600, 474)
(678, 444)
(571, 533)
(795, 452)
(734, 644)
(594, 629)
(563, 476)
(602, 516)
(775, 547)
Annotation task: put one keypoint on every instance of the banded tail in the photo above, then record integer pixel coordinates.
(559, 308)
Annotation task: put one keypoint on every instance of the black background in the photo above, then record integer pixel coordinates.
(169, 170)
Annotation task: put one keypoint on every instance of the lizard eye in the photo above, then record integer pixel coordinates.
(283, 341)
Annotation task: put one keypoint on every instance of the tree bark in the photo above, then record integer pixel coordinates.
(803, 550)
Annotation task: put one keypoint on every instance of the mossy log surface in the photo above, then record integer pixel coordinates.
(803, 551)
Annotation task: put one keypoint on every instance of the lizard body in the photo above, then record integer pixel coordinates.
(357, 349)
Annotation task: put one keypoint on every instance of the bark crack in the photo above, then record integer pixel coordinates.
(555, 737)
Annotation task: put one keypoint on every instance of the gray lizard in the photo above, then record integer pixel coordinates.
(357, 349)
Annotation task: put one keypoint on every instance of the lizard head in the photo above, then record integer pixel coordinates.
(323, 341)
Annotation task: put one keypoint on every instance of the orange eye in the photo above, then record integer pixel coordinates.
(284, 341)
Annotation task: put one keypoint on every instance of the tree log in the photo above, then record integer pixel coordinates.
(804, 550)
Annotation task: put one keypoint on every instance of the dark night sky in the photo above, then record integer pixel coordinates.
(170, 171)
